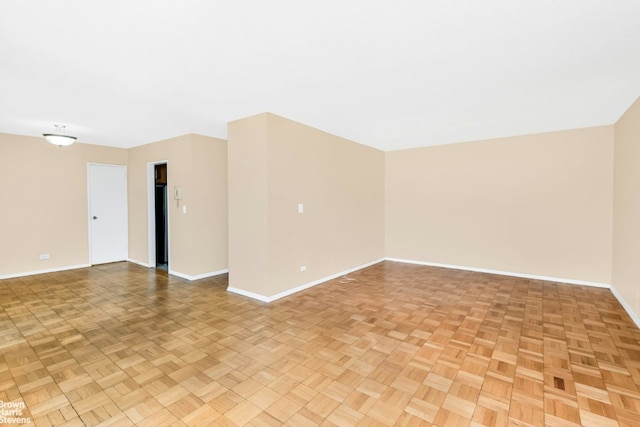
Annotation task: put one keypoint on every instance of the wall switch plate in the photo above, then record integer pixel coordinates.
(303, 268)
(300, 207)
(184, 209)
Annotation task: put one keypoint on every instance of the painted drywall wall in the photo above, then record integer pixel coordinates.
(208, 208)
(248, 204)
(626, 234)
(536, 204)
(340, 185)
(275, 165)
(44, 203)
(197, 238)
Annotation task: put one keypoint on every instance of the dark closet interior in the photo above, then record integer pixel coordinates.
(162, 238)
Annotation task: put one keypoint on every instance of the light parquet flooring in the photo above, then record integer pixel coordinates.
(120, 345)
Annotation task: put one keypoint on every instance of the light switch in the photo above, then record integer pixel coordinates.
(300, 208)
(184, 209)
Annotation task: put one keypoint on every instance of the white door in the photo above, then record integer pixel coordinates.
(108, 224)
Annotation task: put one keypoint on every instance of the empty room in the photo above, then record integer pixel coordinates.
(360, 213)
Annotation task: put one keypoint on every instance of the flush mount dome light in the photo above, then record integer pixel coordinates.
(59, 138)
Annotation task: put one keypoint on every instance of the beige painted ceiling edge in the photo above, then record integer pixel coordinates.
(391, 75)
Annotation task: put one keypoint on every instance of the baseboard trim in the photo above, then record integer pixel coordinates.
(634, 317)
(504, 273)
(198, 276)
(49, 270)
(135, 261)
(302, 287)
(251, 295)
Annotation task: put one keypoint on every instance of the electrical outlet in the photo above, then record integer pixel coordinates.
(303, 268)
(45, 256)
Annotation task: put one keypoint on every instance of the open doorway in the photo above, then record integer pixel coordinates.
(160, 216)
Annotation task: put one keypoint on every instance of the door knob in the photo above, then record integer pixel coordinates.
(95, 217)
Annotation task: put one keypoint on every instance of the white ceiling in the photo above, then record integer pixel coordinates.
(389, 74)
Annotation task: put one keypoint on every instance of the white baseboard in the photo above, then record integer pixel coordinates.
(248, 294)
(198, 276)
(626, 307)
(302, 287)
(182, 275)
(135, 261)
(49, 270)
(504, 273)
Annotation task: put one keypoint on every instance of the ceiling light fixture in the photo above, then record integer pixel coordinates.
(59, 138)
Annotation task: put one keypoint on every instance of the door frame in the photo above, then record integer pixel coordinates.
(151, 214)
(126, 189)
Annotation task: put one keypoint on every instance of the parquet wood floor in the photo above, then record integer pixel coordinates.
(401, 344)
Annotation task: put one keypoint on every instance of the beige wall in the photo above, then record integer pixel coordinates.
(198, 238)
(626, 235)
(248, 204)
(44, 202)
(209, 208)
(275, 164)
(538, 204)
